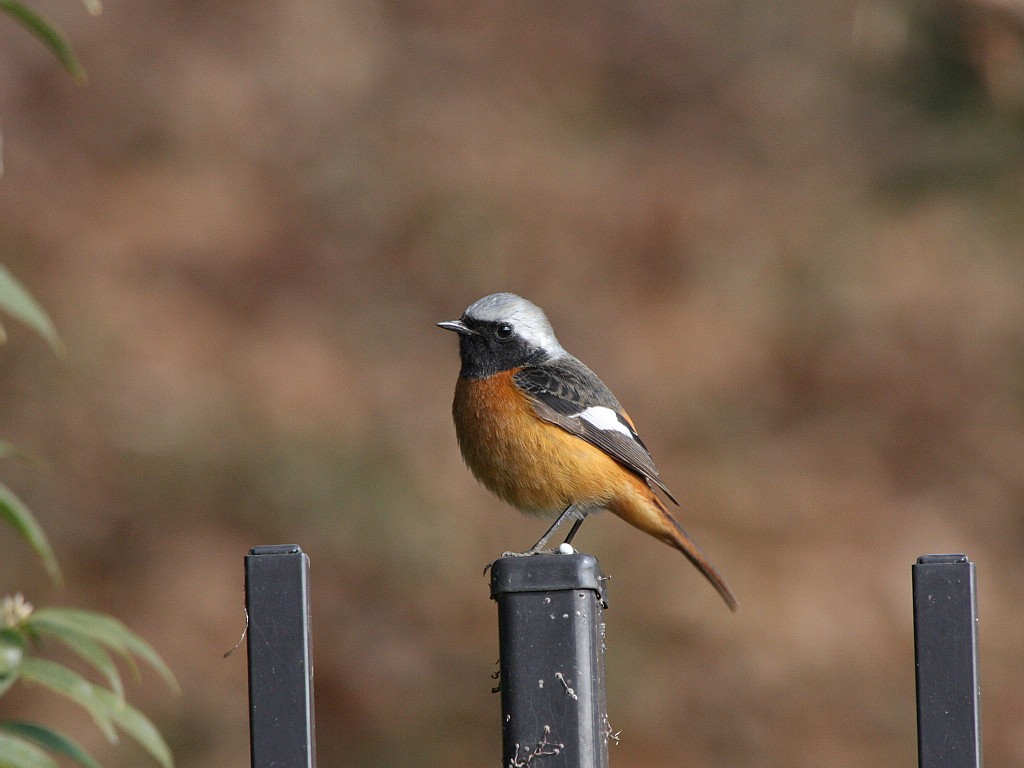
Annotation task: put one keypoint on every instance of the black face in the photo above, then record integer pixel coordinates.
(495, 347)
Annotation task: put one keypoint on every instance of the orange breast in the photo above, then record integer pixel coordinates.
(533, 465)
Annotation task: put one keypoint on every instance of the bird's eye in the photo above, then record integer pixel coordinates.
(504, 331)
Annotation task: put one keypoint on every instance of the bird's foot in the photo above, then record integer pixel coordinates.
(561, 549)
(528, 553)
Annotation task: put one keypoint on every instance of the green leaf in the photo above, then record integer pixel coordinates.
(18, 753)
(51, 38)
(139, 727)
(105, 630)
(11, 451)
(72, 685)
(6, 681)
(12, 653)
(85, 647)
(104, 706)
(51, 740)
(12, 650)
(14, 511)
(18, 302)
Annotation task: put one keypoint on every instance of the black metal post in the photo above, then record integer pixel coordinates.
(551, 638)
(281, 732)
(946, 652)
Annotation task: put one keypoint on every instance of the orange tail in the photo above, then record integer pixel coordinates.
(650, 515)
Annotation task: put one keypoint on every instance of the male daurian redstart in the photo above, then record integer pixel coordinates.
(539, 429)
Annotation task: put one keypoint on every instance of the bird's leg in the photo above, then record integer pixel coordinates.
(570, 511)
(575, 527)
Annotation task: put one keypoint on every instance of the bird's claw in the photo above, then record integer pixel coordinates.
(527, 553)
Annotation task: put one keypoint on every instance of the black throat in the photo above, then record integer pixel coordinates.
(483, 356)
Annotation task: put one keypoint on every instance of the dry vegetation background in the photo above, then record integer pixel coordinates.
(788, 235)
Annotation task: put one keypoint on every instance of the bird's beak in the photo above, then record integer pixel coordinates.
(458, 326)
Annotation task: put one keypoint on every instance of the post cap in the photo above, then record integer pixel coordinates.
(546, 573)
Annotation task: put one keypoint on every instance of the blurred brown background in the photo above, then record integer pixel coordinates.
(788, 236)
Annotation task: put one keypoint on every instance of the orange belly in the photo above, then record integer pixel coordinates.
(533, 465)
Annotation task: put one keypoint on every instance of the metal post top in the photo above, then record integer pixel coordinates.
(942, 559)
(546, 572)
(276, 549)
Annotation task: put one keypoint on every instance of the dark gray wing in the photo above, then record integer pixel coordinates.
(567, 393)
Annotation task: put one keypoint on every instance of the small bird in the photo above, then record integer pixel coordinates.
(540, 430)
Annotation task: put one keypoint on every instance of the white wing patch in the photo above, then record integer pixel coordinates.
(604, 419)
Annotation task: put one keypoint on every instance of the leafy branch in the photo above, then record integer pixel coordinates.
(95, 639)
(50, 36)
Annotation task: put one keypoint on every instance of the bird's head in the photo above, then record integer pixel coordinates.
(503, 331)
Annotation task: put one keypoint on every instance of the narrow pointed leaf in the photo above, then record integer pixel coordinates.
(18, 753)
(14, 511)
(11, 451)
(72, 685)
(138, 726)
(51, 740)
(12, 653)
(86, 648)
(107, 631)
(51, 38)
(104, 706)
(18, 302)
(145, 651)
(6, 681)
